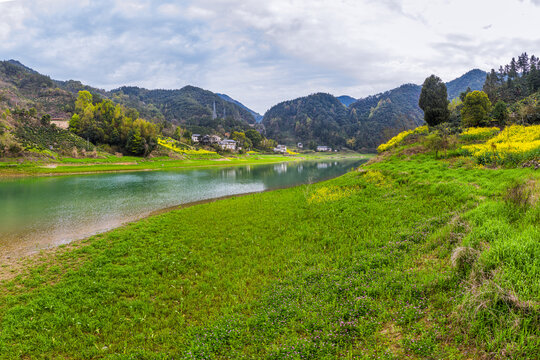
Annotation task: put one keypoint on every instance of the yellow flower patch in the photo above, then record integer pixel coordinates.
(479, 133)
(399, 138)
(516, 139)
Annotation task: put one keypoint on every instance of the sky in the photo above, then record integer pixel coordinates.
(262, 52)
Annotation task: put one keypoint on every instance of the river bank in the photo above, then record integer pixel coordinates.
(10, 169)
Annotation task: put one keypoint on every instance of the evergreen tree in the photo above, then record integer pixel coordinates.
(523, 63)
(512, 71)
(533, 80)
(434, 101)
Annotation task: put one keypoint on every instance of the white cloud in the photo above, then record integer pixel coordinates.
(265, 52)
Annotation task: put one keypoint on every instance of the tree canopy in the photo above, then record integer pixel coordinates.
(114, 125)
(434, 101)
(476, 109)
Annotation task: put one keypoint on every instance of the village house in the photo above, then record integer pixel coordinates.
(280, 149)
(300, 145)
(210, 139)
(227, 144)
(322, 148)
(196, 138)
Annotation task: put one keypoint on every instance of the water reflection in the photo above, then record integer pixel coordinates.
(39, 213)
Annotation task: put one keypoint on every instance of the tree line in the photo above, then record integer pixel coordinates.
(513, 89)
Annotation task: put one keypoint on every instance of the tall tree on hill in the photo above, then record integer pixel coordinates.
(434, 101)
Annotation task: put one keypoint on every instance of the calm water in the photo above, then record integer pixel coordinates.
(38, 213)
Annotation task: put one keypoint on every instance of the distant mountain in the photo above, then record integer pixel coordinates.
(369, 121)
(382, 116)
(318, 119)
(346, 100)
(474, 79)
(258, 117)
(191, 107)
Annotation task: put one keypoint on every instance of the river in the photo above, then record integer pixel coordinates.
(43, 212)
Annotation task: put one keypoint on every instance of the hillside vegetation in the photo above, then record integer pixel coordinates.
(190, 107)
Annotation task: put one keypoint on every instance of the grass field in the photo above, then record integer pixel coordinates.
(408, 257)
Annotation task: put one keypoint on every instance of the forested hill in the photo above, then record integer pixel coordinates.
(382, 116)
(258, 117)
(318, 119)
(190, 106)
(22, 87)
(368, 122)
(474, 80)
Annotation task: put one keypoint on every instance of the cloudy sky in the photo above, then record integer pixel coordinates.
(263, 52)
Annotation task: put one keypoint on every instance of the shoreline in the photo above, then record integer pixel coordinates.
(217, 163)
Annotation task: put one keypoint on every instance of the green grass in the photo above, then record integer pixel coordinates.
(365, 272)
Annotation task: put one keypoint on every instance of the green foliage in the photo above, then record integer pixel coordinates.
(500, 112)
(434, 101)
(476, 109)
(241, 139)
(318, 117)
(107, 123)
(47, 137)
(514, 81)
(255, 137)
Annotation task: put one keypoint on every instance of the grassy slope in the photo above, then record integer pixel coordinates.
(130, 163)
(358, 266)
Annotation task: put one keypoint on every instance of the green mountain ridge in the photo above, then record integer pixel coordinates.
(369, 121)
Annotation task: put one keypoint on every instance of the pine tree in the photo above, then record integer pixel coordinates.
(512, 72)
(523, 63)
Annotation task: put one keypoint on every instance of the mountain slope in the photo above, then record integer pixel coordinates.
(320, 119)
(473, 79)
(383, 116)
(190, 106)
(258, 117)
(22, 87)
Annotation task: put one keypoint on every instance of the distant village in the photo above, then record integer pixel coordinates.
(232, 145)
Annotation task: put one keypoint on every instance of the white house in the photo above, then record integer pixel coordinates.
(228, 144)
(280, 149)
(323, 148)
(196, 138)
(300, 145)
